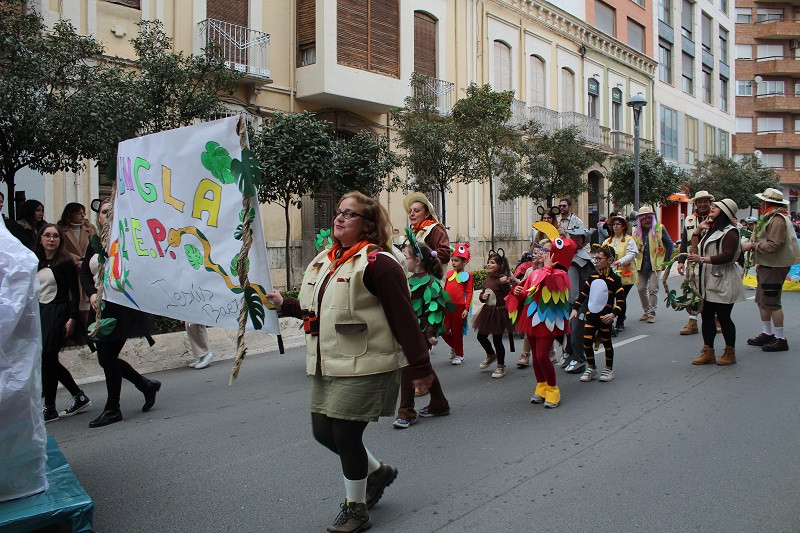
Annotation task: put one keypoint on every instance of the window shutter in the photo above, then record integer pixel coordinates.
(384, 37)
(351, 33)
(537, 85)
(306, 22)
(567, 91)
(502, 66)
(424, 44)
(233, 11)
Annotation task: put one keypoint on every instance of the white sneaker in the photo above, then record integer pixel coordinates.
(457, 360)
(204, 361)
(589, 374)
(606, 375)
(194, 363)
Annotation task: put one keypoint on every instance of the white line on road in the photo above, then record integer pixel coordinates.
(632, 339)
(751, 297)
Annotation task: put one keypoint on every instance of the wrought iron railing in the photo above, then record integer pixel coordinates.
(589, 127)
(519, 114)
(245, 50)
(441, 91)
(547, 119)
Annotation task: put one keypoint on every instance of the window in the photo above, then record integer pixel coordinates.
(723, 93)
(705, 27)
(687, 72)
(797, 125)
(770, 88)
(368, 35)
(723, 6)
(744, 88)
(616, 109)
(424, 44)
(537, 85)
(502, 66)
(724, 143)
(567, 90)
(744, 15)
(687, 19)
(605, 18)
(636, 36)
(708, 93)
(769, 125)
(665, 11)
(692, 145)
(640, 2)
(664, 62)
(769, 51)
(744, 125)
(306, 32)
(709, 140)
(772, 160)
(594, 96)
(797, 162)
(506, 212)
(797, 89)
(669, 133)
(127, 3)
(769, 15)
(723, 45)
(744, 51)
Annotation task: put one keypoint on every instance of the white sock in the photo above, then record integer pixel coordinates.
(766, 327)
(372, 463)
(779, 332)
(355, 490)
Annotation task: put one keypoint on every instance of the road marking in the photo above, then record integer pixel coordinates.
(632, 339)
(751, 297)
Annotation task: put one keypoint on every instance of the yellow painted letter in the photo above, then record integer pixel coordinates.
(166, 185)
(203, 203)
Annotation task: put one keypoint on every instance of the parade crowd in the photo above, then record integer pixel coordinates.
(372, 311)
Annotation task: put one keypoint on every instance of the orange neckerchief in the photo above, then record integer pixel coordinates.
(347, 254)
(772, 208)
(422, 225)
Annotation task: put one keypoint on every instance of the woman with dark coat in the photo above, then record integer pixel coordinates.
(31, 220)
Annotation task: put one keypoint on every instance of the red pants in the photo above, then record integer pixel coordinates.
(454, 329)
(542, 365)
(438, 403)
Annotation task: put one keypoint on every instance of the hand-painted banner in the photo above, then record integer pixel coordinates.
(176, 234)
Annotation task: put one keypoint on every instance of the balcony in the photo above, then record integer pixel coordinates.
(777, 29)
(777, 104)
(547, 119)
(778, 139)
(519, 114)
(777, 66)
(244, 50)
(589, 127)
(440, 92)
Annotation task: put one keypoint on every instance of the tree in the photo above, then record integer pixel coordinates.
(553, 165)
(657, 179)
(364, 163)
(435, 156)
(296, 152)
(740, 181)
(481, 120)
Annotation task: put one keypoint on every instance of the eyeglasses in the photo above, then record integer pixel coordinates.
(349, 214)
(617, 224)
(563, 205)
(51, 236)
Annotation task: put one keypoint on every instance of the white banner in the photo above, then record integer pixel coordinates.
(175, 237)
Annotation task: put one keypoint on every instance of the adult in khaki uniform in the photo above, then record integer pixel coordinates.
(655, 246)
(774, 250)
(702, 206)
(426, 227)
(626, 252)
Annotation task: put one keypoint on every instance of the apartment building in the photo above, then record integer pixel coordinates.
(768, 88)
(350, 62)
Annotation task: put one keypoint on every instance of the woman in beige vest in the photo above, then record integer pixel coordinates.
(720, 279)
(361, 330)
(625, 247)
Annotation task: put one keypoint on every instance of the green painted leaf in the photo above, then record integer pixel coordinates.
(254, 307)
(238, 233)
(247, 172)
(434, 305)
(235, 263)
(427, 295)
(194, 256)
(217, 161)
(107, 325)
(251, 213)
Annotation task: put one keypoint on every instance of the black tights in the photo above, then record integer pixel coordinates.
(499, 349)
(709, 327)
(115, 369)
(621, 318)
(53, 372)
(594, 326)
(344, 438)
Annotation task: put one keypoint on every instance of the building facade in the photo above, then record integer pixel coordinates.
(768, 88)
(350, 62)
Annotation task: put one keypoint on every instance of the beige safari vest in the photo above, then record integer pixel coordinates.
(628, 273)
(720, 283)
(354, 335)
(657, 250)
(787, 256)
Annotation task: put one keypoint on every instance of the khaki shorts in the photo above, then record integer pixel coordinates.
(770, 286)
(363, 398)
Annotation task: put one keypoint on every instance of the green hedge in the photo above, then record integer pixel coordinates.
(480, 278)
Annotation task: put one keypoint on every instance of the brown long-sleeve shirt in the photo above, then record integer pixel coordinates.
(774, 235)
(438, 240)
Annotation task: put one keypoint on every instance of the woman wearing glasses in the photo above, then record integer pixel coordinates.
(58, 308)
(360, 331)
(426, 227)
(626, 252)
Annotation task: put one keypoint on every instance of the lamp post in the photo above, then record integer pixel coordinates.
(636, 102)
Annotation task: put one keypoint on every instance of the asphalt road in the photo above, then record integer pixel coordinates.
(666, 446)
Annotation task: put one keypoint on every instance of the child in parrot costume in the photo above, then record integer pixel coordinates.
(459, 284)
(542, 304)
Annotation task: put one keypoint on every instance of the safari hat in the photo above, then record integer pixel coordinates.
(419, 197)
(624, 220)
(703, 194)
(728, 207)
(773, 196)
(645, 210)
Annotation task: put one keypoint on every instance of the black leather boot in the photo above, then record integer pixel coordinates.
(149, 392)
(108, 416)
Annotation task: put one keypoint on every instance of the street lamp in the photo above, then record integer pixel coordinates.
(636, 102)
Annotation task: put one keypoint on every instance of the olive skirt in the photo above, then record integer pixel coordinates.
(363, 398)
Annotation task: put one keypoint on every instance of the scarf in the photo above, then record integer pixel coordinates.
(344, 254)
(422, 225)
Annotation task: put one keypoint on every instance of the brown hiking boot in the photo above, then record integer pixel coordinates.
(707, 356)
(690, 328)
(728, 357)
(377, 482)
(353, 518)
